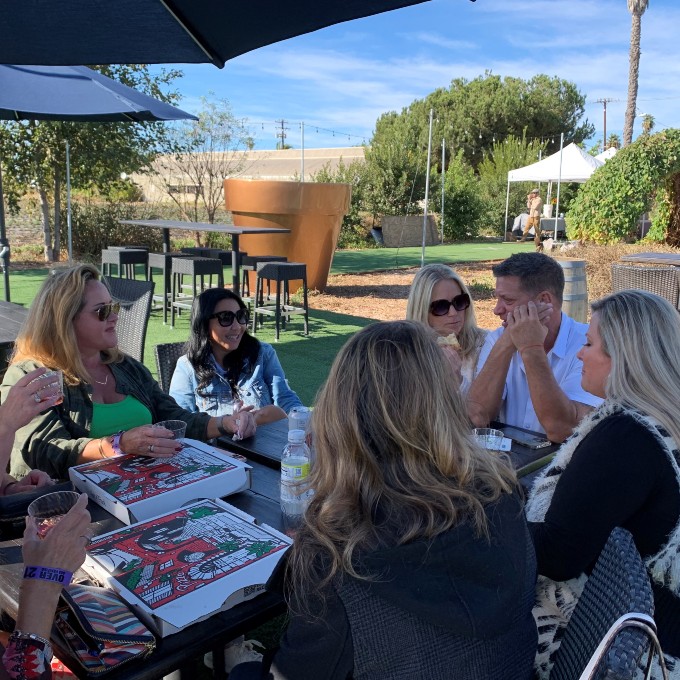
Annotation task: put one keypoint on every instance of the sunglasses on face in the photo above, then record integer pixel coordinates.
(441, 307)
(105, 311)
(225, 319)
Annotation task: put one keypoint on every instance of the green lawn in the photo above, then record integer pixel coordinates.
(377, 259)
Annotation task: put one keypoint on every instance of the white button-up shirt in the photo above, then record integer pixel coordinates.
(516, 406)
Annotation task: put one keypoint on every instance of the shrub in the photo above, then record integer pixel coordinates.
(640, 177)
(464, 209)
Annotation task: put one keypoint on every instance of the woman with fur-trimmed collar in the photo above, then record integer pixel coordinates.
(619, 468)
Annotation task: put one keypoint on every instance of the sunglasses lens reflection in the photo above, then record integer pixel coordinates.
(105, 311)
(441, 307)
(226, 319)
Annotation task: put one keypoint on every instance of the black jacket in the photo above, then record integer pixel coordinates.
(457, 606)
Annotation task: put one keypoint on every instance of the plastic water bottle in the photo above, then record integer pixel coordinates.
(295, 461)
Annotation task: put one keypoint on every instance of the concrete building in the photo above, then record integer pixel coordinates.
(286, 164)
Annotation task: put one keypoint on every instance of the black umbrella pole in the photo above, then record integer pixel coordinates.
(4, 243)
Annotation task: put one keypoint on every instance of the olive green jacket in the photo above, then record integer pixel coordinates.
(54, 440)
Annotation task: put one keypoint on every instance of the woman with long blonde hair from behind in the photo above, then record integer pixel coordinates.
(413, 559)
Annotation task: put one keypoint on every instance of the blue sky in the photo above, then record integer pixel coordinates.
(343, 77)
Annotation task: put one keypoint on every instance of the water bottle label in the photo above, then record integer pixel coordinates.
(294, 472)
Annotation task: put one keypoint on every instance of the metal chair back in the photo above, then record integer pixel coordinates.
(167, 355)
(604, 637)
(135, 298)
(664, 281)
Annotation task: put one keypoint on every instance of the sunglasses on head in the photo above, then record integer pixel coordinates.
(225, 319)
(105, 311)
(441, 307)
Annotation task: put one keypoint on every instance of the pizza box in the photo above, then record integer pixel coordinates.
(134, 488)
(187, 565)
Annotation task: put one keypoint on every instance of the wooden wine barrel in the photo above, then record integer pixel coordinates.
(575, 298)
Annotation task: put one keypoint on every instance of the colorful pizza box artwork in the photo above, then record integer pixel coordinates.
(186, 565)
(134, 488)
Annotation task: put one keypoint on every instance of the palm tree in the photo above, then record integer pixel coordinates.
(647, 123)
(637, 9)
(613, 141)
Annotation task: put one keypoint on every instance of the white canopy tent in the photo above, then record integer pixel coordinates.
(569, 164)
(607, 154)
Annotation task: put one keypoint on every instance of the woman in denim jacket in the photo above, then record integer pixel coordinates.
(225, 368)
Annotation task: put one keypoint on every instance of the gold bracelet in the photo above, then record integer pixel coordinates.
(101, 448)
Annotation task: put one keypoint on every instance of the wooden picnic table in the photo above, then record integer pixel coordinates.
(233, 230)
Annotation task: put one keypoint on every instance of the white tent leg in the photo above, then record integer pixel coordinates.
(507, 204)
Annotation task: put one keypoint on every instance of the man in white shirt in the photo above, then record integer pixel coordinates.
(528, 374)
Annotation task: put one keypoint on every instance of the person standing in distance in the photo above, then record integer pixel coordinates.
(534, 205)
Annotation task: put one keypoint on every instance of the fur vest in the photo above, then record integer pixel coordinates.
(555, 601)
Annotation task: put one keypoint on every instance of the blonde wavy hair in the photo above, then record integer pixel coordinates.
(420, 297)
(640, 332)
(394, 459)
(48, 336)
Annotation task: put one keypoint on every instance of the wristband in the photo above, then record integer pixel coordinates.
(115, 443)
(51, 574)
(221, 429)
(101, 448)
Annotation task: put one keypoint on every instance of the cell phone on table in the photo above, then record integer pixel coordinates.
(531, 441)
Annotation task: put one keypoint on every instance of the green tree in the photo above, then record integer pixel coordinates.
(613, 141)
(206, 152)
(647, 123)
(637, 9)
(504, 156)
(34, 154)
(472, 115)
(464, 209)
(353, 232)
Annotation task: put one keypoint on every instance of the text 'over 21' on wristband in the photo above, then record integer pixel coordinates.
(51, 574)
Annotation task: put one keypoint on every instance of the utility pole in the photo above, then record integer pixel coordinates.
(281, 135)
(604, 103)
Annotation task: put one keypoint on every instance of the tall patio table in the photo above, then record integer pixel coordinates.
(233, 230)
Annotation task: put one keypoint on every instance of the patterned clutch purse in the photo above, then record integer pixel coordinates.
(99, 629)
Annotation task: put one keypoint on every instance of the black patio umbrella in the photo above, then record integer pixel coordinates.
(163, 31)
(73, 93)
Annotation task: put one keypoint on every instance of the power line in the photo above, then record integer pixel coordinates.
(282, 134)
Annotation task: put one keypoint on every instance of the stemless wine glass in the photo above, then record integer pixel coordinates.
(50, 508)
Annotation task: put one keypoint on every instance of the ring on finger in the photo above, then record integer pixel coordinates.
(150, 448)
(36, 398)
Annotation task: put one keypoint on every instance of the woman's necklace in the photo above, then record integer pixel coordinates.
(102, 382)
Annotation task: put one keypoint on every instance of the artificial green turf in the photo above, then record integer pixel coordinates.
(377, 259)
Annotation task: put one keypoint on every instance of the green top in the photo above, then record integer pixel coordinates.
(108, 419)
(53, 440)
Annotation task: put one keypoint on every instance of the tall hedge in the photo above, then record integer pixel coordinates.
(640, 178)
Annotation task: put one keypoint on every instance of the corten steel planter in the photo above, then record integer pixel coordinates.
(313, 212)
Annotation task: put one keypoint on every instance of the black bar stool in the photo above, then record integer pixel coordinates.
(162, 261)
(249, 264)
(282, 310)
(197, 268)
(124, 259)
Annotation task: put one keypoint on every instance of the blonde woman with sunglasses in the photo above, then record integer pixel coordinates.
(225, 368)
(110, 400)
(440, 299)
